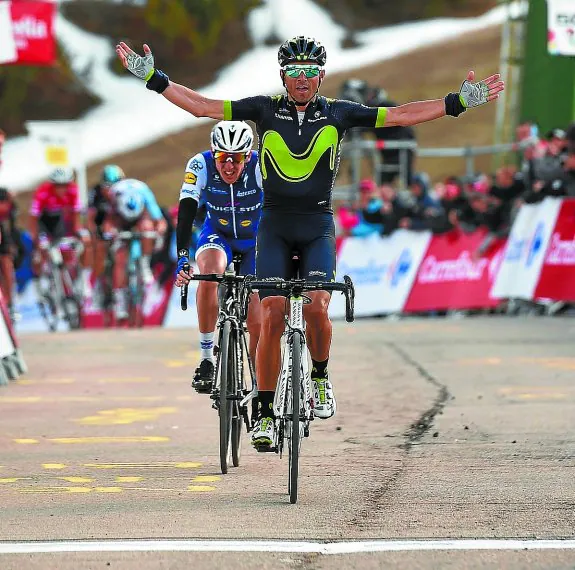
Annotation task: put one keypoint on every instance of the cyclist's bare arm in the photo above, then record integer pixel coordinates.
(185, 98)
(415, 113)
(33, 228)
(193, 102)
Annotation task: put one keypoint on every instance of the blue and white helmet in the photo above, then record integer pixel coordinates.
(128, 198)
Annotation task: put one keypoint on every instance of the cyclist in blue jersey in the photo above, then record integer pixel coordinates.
(134, 208)
(300, 135)
(228, 180)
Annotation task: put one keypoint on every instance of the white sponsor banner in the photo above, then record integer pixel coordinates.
(6, 345)
(561, 27)
(525, 250)
(176, 318)
(8, 49)
(59, 143)
(382, 269)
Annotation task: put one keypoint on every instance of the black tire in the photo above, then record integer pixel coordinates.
(237, 419)
(71, 308)
(226, 387)
(294, 441)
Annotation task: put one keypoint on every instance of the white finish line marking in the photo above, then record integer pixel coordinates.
(352, 547)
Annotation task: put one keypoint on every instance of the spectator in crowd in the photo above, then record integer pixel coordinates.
(417, 208)
(391, 158)
(360, 91)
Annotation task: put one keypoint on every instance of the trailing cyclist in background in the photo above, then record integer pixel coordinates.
(99, 209)
(228, 180)
(9, 237)
(55, 213)
(133, 209)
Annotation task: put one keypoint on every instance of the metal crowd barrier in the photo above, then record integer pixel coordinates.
(356, 149)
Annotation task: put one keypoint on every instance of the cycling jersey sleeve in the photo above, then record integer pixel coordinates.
(258, 173)
(195, 178)
(75, 198)
(37, 206)
(151, 203)
(357, 115)
(248, 109)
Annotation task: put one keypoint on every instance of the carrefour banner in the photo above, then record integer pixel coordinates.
(382, 270)
(557, 279)
(27, 33)
(453, 276)
(561, 27)
(524, 253)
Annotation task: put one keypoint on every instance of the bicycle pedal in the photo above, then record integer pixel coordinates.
(265, 448)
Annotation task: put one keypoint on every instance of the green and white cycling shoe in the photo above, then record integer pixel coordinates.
(263, 434)
(324, 404)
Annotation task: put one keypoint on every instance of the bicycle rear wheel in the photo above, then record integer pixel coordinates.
(226, 388)
(294, 440)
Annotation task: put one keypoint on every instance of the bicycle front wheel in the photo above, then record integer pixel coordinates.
(237, 418)
(226, 409)
(294, 441)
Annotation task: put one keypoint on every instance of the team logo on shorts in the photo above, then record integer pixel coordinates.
(223, 222)
(190, 178)
(246, 223)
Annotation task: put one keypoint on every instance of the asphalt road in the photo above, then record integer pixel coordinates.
(456, 430)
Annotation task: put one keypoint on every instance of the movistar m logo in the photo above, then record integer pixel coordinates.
(297, 167)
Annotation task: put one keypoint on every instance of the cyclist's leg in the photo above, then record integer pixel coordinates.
(273, 259)
(86, 260)
(318, 261)
(254, 321)
(120, 275)
(212, 256)
(144, 225)
(6, 266)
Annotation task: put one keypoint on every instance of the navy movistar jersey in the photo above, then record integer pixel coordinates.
(299, 158)
(233, 210)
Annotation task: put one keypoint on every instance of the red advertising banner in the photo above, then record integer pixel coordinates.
(450, 277)
(33, 32)
(557, 278)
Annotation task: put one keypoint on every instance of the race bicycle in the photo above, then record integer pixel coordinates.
(229, 392)
(136, 285)
(59, 293)
(293, 402)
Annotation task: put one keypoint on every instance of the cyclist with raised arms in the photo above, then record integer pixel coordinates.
(300, 135)
(228, 180)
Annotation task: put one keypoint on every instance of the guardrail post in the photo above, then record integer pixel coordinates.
(469, 162)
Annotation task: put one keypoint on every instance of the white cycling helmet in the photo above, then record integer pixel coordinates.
(232, 136)
(130, 204)
(62, 175)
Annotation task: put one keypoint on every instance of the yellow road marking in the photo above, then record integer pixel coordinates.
(200, 488)
(53, 465)
(128, 380)
(155, 465)
(128, 439)
(125, 416)
(125, 479)
(177, 363)
(30, 382)
(25, 440)
(108, 489)
(77, 479)
(14, 479)
(206, 478)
